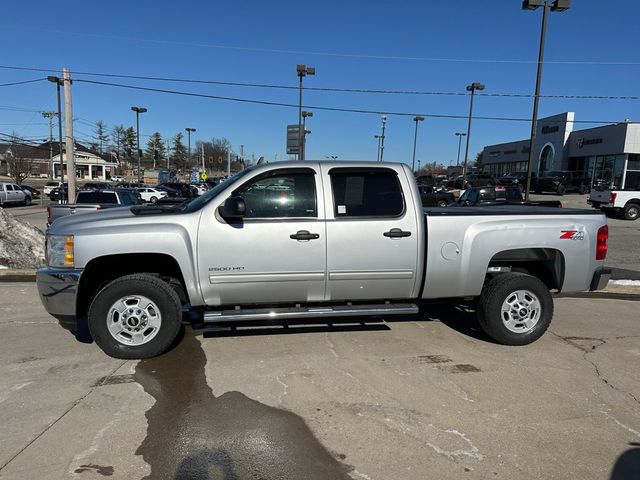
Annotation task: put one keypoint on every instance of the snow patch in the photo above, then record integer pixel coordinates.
(21, 244)
(626, 283)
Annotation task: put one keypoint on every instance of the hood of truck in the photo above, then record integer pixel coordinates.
(70, 223)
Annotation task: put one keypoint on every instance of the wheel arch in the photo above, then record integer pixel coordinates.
(102, 270)
(547, 264)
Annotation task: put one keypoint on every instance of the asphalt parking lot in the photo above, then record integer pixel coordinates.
(425, 397)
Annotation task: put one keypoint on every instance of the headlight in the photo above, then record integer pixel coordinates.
(60, 251)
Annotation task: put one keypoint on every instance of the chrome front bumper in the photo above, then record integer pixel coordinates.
(58, 289)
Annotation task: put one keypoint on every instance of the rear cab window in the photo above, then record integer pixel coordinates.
(97, 197)
(366, 192)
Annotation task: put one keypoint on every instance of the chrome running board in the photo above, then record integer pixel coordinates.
(310, 312)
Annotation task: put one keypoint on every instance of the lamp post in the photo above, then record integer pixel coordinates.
(59, 82)
(470, 88)
(555, 6)
(417, 118)
(138, 111)
(384, 126)
(459, 135)
(49, 116)
(189, 130)
(302, 71)
(303, 146)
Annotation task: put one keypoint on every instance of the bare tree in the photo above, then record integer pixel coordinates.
(19, 160)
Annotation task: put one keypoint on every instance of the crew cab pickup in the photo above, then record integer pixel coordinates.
(625, 202)
(89, 201)
(299, 240)
(11, 193)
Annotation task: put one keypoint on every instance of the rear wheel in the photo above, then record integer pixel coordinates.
(135, 316)
(560, 190)
(582, 189)
(27, 200)
(153, 199)
(442, 203)
(631, 211)
(515, 308)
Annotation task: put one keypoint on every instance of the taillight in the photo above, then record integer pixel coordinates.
(612, 197)
(601, 244)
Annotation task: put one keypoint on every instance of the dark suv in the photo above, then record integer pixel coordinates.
(560, 182)
(518, 179)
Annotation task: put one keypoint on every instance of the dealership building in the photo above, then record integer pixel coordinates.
(608, 155)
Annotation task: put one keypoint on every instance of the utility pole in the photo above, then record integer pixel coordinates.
(49, 116)
(68, 114)
(229, 163)
(203, 157)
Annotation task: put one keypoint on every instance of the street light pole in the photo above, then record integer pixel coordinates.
(302, 71)
(303, 147)
(459, 135)
(138, 111)
(470, 88)
(58, 81)
(189, 130)
(384, 126)
(555, 6)
(417, 118)
(49, 116)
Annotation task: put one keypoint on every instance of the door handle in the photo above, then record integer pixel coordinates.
(396, 233)
(304, 235)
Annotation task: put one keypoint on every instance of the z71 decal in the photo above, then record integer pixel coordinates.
(571, 235)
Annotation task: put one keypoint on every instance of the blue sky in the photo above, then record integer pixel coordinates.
(354, 44)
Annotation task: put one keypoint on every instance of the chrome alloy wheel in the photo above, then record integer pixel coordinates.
(134, 320)
(521, 311)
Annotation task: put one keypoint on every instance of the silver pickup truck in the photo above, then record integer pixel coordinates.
(297, 240)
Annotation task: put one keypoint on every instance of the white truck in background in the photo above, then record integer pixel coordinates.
(624, 202)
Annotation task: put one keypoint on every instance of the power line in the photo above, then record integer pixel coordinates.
(23, 82)
(328, 89)
(332, 109)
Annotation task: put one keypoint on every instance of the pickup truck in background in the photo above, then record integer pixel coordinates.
(561, 182)
(624, 202)
(490, 196)
(88, 201)
(13, 194)
(518, 179)
(300, 240)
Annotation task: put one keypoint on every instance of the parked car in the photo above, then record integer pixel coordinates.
(34, 192)
(431, 197)
(149, 194)
(287, 240)
(13, 194)
(60, 193)
(561, 182)
(499, 195)
(50, 186)
(518, 179)
(474, 180)
(185, 190)
(117, 178)
(88, 201)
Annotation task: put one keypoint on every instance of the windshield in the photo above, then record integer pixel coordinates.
(205, 198)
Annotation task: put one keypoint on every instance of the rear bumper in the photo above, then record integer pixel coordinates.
(58, 290)
(600, 279)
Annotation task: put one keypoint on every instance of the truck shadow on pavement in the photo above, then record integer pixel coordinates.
(191, 434)
(627, 466)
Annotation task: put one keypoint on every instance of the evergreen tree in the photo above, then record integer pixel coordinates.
(179, 158)
(129, 145)
(155, 144)
(100, 135)
(117, 137)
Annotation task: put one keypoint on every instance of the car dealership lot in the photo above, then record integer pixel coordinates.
(425, 397)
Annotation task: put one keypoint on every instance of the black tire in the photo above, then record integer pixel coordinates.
(582, 189)
(498, 293)
(157, 291)
(442, 203)
(27, 200)
(560, 190)
(631, 211)
(468, 185)
(153, 199)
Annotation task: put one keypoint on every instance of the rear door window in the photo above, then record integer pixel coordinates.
(366, 193)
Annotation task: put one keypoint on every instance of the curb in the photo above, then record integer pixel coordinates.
(17, 275)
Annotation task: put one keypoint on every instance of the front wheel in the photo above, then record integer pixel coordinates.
(136, 316)
(27, 200)
(632, 211)
(153, 199)
(583, 189)
(560, 190)
(442, 203)
(515, 308)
